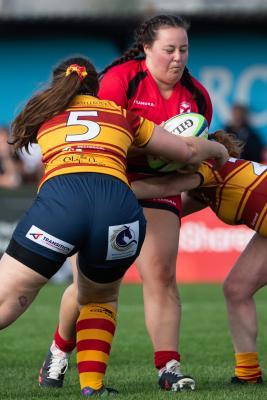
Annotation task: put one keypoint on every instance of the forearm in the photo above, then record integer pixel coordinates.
(168, 185)
(135, 152)
(185, 150)
(145, 189)
(206, 149)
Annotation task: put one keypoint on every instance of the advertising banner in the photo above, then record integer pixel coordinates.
(208, 249)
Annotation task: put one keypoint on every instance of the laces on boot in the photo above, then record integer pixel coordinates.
(171, 378)
(53, 370)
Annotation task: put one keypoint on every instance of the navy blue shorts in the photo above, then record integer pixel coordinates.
(93, 214)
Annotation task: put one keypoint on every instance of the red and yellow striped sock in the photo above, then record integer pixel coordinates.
(95, 330)
(247, 366)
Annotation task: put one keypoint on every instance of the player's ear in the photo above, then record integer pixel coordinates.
(147, 49)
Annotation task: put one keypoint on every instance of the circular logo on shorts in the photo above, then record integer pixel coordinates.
(123, 238)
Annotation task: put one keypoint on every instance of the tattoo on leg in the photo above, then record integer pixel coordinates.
(23, 301)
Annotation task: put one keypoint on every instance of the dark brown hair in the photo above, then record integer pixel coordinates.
(229, 140)
(146, 35)
(53, 100)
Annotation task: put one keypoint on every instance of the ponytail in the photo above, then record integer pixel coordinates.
(73, 76)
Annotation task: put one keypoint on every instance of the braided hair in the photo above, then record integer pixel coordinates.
(146, 34)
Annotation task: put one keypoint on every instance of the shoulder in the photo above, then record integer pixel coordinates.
(127, 69)
(119, 81)
(208, 108)
(200, 86)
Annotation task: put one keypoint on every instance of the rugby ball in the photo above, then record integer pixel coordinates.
(188, 124)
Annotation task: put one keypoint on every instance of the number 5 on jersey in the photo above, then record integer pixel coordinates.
(93, 128)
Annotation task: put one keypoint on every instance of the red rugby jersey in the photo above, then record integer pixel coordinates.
(132, 86)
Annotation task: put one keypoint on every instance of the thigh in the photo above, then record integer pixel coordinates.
(19, 285)
(159, 252)
(250, 270)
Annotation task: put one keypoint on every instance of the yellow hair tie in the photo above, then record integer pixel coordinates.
(80, 71)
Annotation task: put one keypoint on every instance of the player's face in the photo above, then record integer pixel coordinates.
(168, 55)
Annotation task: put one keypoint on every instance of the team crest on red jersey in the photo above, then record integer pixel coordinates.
(185, 107)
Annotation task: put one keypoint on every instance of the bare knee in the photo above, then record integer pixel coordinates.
(159, 284)
(158, 274)
(236, 292)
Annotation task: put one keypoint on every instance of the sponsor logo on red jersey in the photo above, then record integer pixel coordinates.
(144, 103)
(185, 107)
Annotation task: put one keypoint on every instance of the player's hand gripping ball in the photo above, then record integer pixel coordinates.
(188, 124)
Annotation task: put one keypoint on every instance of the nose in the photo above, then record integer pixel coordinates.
(177, 55)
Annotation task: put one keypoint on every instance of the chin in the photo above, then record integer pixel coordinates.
(174, 78)
(176, 74)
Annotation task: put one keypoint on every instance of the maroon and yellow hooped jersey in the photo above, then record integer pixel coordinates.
(237, 192)
(92, 135)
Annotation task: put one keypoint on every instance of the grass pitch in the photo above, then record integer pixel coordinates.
(205, 347)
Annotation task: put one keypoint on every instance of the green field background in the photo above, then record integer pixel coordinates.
(205, 347)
